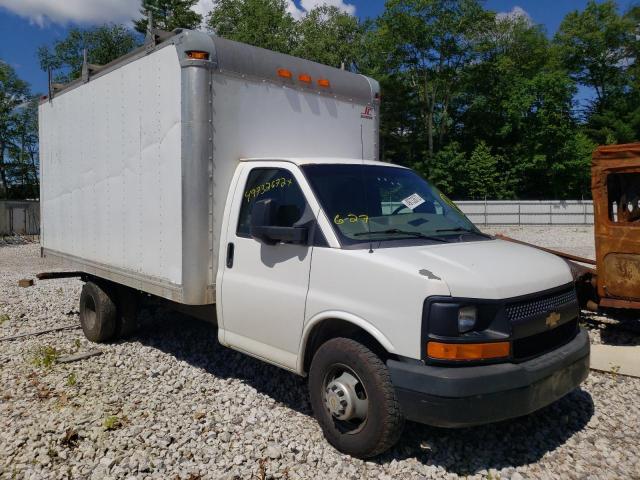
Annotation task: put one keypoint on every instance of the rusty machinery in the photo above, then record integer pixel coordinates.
(613, 279)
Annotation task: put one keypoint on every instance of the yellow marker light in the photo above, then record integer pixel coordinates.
(303, 77)
(324, 83)
(284, 73)
(198, 55)
(467, 351)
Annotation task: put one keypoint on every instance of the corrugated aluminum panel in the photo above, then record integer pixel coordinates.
(111, 169)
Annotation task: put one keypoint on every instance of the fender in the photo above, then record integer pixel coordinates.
(339, 315)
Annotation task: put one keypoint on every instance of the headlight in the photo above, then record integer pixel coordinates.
(467, 318)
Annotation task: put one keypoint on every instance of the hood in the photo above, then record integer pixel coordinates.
(492, 269)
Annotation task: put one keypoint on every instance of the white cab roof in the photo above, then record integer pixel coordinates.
(322, 160)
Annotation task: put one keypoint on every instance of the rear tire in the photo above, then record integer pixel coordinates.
(345, 380)
(98, 313)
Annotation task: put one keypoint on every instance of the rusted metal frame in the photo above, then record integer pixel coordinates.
(617, 243)
(568, 256)
(618, 303)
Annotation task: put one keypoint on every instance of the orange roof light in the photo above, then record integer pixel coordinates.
(467, 351)
(284, 73)
(324, 83)
(303, 77)
(198, 55)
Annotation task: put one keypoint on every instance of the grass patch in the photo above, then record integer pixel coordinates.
(45, 356)
(72, 379)
(4, 318)
(112, 422)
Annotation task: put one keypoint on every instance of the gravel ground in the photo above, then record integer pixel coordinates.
(577, 240)
(171, 403)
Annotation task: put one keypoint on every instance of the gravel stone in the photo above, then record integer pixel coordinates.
(188, 407)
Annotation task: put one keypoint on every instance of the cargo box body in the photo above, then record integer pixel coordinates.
(136, 160)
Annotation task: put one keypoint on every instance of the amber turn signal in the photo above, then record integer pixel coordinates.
(198, 55)
(467, 351)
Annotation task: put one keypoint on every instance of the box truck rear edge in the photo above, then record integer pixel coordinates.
(242, 186)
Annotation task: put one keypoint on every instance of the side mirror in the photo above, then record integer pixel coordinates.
(264, 226)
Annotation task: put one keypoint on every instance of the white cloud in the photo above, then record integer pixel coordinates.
(42, 12)
(203, 7)
(516, 12)
(341, 4)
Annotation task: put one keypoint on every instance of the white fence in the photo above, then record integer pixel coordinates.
(533, 212)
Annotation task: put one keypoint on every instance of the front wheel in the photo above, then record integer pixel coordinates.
(353, 398)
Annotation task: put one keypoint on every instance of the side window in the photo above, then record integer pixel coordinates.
(271, 183)
(624, 197)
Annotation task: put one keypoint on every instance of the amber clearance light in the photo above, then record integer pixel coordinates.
(303, 77)
(324, 83)
(198, 55)
(284, 73)
(467, 351)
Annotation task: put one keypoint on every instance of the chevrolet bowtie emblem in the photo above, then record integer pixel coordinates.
(552, 319)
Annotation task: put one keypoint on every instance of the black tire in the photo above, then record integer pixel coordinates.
(384, 421)
(98, 313)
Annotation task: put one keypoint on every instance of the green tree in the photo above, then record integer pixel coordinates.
(262, 23)
(13, 93)
(168, 15)
(483, 178)
(103, 44)
(446, 170)
(518, 98)
(23, 150)
(328, 35)
(594, 46)
(430, 42)
(599, 48)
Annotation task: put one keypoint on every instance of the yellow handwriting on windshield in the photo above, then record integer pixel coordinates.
(265, 187)
(350, 218)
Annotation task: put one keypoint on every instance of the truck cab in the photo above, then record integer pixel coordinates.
(369, 280)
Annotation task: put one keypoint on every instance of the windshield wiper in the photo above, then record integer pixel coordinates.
(403, 232)
(461, 229)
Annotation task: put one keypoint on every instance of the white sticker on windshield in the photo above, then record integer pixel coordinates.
(412, 201)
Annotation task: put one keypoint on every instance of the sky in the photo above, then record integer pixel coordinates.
(27, 24)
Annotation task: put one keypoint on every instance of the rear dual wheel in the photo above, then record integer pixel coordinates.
(107, 313)
(353, 398)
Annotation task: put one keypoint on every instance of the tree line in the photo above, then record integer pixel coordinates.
(484, 105)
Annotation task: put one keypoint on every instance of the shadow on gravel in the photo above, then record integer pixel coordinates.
(616, 327)
(511, 443)
(196, 342)
(464, 451)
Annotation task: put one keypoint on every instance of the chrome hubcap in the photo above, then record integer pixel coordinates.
(345, 398)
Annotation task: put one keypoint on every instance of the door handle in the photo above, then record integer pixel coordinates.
(230, 251)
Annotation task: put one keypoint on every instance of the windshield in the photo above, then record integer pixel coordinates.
(379, 203)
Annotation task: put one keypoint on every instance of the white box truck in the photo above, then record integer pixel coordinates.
(243, 186)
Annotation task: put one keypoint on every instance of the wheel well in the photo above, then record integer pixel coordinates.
(333, 328)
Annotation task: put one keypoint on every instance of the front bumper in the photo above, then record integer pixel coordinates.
(450, 396)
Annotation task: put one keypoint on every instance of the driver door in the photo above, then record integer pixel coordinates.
(264, 287)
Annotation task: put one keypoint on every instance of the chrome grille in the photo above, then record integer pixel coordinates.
(540, 306)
